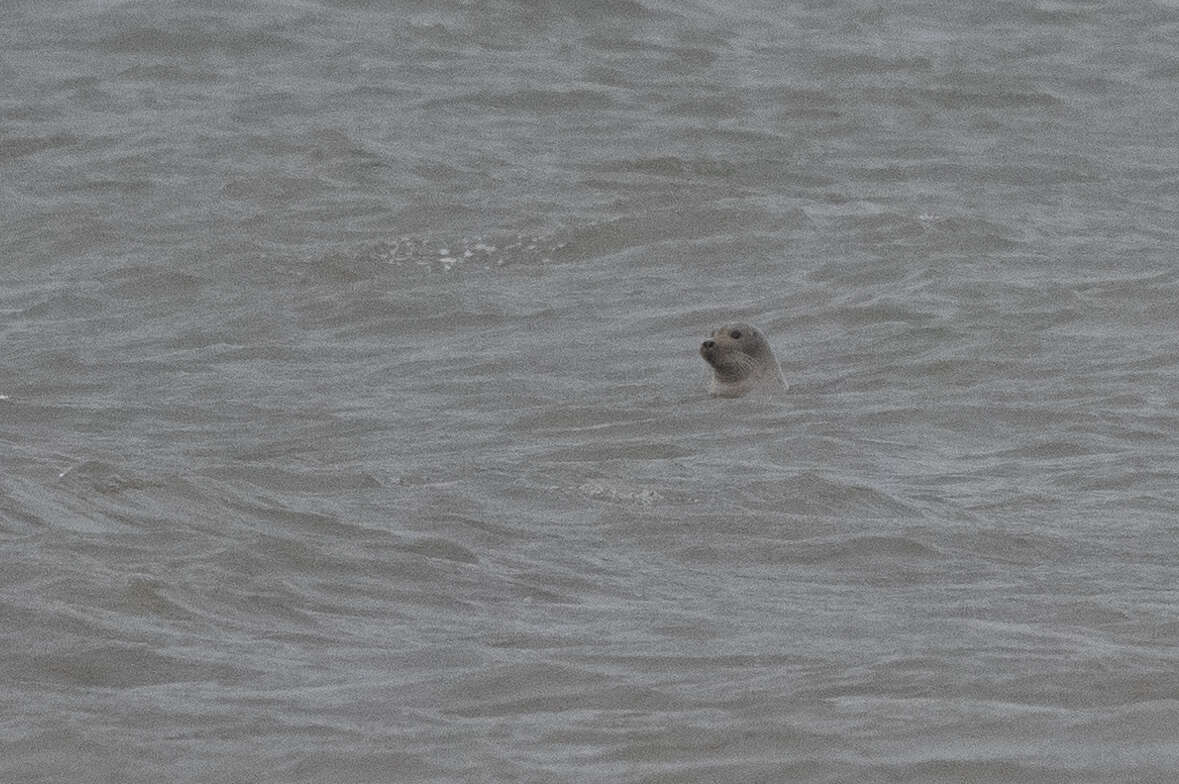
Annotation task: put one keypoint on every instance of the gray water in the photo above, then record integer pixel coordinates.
(353, 428)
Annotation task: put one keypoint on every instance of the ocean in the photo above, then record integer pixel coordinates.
(353, 427)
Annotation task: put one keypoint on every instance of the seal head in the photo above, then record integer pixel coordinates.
(741, 359)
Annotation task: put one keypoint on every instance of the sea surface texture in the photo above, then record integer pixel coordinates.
(353, 427)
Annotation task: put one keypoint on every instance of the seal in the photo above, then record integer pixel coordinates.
(741, 359)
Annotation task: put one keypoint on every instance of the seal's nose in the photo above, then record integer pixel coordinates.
(707, 344)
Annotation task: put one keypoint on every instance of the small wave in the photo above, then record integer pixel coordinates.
(301, 481)
(16, 516)
(710, 107)
(593, 452)
(443, 253)
(65, 305)
(859, 63)
(929, 232)
(671, 166)
(988, 99)
(812, 494)
(270, 188)
(438, 254)
(875, 313)
(104, 478)
(14, 147)
(440, 548)
(597, 11)
(167, 73)
(981, 173)
(1047, 450)
(191, 38)
(148, 595)
(620, 493)
(873, 547)
(606, 698)
(119, 666)
(535, 100)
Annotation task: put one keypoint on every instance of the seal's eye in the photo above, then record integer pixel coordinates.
(735, 334)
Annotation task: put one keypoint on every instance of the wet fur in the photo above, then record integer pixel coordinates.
(740, 364)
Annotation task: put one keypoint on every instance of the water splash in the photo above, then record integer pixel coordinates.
(439, 254)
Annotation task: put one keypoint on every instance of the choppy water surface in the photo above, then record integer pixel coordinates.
(353, 429)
